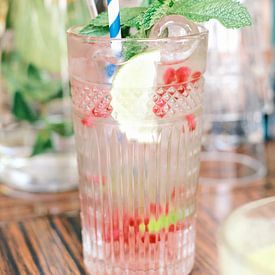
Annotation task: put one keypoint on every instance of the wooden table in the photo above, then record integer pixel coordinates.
(42, 235)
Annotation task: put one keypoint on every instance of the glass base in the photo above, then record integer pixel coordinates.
(173, 253)
(180, 268)
(230, 168)
(45, 173)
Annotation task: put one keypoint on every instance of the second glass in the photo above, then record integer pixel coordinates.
(138, 136)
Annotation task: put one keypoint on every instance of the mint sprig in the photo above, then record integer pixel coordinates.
(100, 26)
(230, 13)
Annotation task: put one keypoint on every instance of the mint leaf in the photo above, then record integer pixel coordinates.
(21, 109)
(93, 31)
(100, 24)
(146, 3)
(43, 143)
(230, 13)
(155, 12)
(132, 48)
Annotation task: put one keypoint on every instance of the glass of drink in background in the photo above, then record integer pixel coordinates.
(36, 144)
(138, 135)
(247, 240)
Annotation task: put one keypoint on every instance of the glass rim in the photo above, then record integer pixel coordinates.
(222, 238)
(200, 34)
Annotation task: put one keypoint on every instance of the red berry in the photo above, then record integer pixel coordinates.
(160, 102)
(143, 238)
(167, 208)
(146, 220)
(153, 208)
(183, 74)
(182, 88)
(156, 109)
(169, 76)
(159, 111)
(131, 221)
(88, 121)
(116, 235)
(196, 76)
(152, 238)
(191, 122)
(171, 228)
(173, 194)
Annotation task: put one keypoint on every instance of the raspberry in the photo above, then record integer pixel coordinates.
(171, 228)
(169, 76)
(167, 208)
(88, 121)
(191, 122)
(196, 76)
(160, 102)
(146, 220)
(152, 238)
(160, 111)
(183, 74)
(131, 221)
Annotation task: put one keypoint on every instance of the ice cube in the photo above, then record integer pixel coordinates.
(176, 26)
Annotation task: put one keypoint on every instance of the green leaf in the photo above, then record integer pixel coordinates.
(43, 143)
(132, 48)
(230, 13)
(99, 26)
(64, 129)
(93, 31)
(21, 109)
(155, 12)
(146, 3)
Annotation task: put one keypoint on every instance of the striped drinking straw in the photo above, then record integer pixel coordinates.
(115, 32)
(114, 18)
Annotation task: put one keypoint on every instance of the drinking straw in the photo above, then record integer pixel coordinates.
(114, 19)
(115, 32)
(92, 8)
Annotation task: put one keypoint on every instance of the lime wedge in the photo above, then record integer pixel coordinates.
(132, 97)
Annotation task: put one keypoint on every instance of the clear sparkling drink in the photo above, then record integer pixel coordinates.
(138, 137)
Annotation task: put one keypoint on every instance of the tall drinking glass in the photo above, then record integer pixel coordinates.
(138, 135)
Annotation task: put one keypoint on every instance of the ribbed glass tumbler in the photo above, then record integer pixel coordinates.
(138, 135)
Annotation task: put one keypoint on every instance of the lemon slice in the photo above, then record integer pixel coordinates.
(132, 97)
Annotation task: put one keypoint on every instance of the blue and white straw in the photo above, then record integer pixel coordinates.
(115, 33)
(114, 18)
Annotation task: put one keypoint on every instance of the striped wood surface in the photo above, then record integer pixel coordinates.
(42, 235)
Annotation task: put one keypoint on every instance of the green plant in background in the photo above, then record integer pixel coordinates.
(32, 69)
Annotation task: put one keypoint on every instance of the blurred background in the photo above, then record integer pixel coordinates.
(36, 136)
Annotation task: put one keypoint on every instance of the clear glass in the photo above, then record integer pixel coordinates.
(239, 51)
(247, 240)
(233, 136)
(36, 142)
(139, 172)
